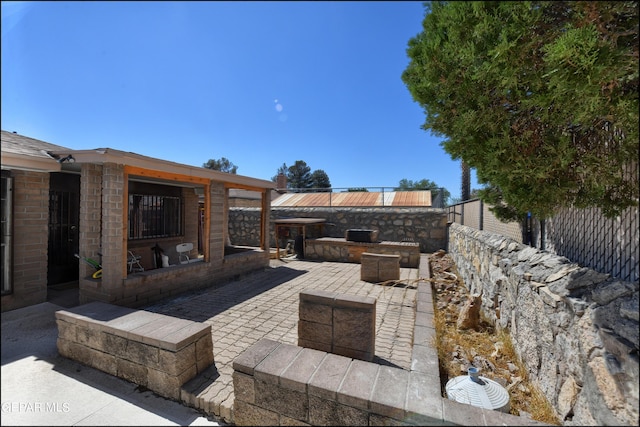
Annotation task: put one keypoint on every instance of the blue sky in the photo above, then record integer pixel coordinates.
(260, 83)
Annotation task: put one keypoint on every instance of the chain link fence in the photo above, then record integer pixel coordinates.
(476, 214)
(584, 236)
(589, 238)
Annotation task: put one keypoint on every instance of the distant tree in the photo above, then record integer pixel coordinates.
(357, 190)
(299, 175)
(424, 184)
(540, 98)
(320, 179)
(223, 165)
(474, 194)
(282, 170)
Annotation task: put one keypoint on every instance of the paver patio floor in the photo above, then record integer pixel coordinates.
(264, 304)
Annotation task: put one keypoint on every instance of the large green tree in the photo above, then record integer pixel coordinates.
(223, 165)
(320, 180)
(299, 175)
(540, 98)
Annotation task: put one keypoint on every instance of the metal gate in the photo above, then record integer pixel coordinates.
(64, 219)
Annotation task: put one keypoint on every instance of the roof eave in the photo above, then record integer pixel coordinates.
(108, 155)
(29, 163)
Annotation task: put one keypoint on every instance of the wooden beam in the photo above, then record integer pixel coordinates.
(168, 176)
(231, 185)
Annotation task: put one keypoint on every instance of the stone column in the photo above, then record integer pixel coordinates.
(113, 227)
(90, 227)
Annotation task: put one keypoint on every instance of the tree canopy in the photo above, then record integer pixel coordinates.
(320, 180)
(540, 98)
(223, 165)
(299, 176)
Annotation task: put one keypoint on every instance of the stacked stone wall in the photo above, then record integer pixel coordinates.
(576, 330)
(426, 226)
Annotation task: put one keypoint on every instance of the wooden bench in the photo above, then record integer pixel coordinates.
(155, 351)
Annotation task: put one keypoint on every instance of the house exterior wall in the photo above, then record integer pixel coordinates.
(144, 247)
(102, 230)
(150, 286)
(30, 239)
(111, 189)
(153, 285)
(90, 215)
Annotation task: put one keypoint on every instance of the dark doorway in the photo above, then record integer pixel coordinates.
(64, 219)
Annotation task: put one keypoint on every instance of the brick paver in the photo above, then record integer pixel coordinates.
(265, 305)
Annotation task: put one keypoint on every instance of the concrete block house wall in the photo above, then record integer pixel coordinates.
(105, 177)
(90, 215)
(29, 251)
(118, 286)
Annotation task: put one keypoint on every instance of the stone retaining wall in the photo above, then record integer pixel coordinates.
(576, 330)
(427, 226)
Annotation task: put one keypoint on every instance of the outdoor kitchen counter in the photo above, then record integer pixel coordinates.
(338, 249)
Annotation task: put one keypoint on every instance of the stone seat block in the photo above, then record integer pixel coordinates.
(379, 267)
(337, 323)
(150, 349)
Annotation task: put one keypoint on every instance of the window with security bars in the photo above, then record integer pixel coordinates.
(153, 216)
